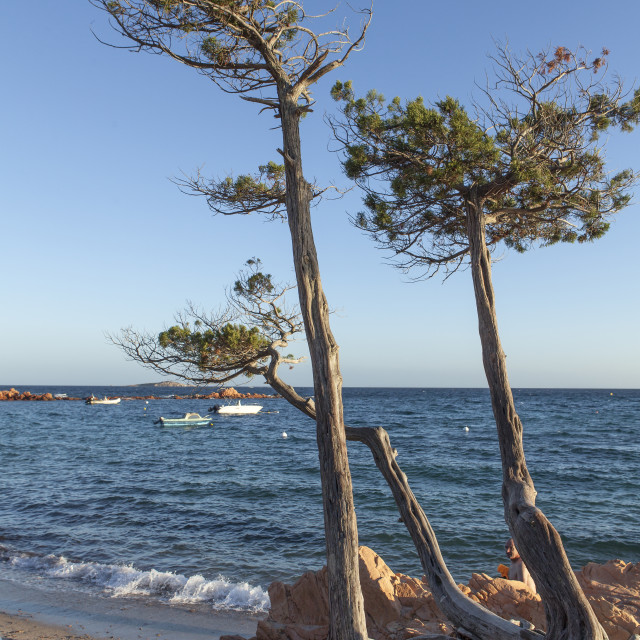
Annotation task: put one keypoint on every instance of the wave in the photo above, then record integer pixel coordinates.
(125, 580)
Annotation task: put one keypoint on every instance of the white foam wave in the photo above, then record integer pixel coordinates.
(125, 580)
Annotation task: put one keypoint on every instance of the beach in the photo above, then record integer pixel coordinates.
(30, 613)
(23, 626)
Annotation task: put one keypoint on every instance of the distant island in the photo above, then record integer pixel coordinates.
(167, 383)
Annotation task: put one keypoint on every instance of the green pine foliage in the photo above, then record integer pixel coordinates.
(228, 345)
(530, 160)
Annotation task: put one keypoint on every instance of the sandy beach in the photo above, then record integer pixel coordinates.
(30, 613)
(24, 627)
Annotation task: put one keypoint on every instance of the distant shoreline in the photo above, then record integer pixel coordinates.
(13, 395)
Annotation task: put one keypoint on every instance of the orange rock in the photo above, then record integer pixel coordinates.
(378, 585)
(230, 393)
(398, 607)
(613, 590)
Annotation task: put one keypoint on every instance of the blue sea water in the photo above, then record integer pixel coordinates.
(100, 498)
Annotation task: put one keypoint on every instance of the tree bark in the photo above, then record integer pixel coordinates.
(464, 613)
(569, 615)
(347, 619)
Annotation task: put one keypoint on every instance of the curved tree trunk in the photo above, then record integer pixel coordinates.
(569, 615)
(464, 613)
(347, 619)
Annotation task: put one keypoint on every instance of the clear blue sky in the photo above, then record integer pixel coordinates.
(95, 237)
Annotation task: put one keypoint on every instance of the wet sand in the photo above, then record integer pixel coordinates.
(30, 613)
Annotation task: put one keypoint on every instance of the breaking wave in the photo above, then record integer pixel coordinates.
(125, 580)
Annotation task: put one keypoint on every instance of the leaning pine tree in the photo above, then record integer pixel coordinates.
(247, 338)
(269, 53)
(444, 188)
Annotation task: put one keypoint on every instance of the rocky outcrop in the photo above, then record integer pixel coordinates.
(14, 394)
(510, 599)
(232, 394)
(398, 607)
(613, 589)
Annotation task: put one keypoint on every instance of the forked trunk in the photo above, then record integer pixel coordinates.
(347, 620)
(469, 617)
(569, 615)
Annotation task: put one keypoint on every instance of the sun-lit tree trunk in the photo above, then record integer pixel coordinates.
(270, 54)
(569, 615)
(463, 612)
(345, 597)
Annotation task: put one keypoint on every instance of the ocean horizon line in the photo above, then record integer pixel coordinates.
(245, 386)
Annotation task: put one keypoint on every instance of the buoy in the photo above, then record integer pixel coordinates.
(146, 402)
(466, 428)
(284, 434)
(145, 408)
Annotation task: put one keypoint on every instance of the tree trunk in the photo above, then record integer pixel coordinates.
(464, 613)
(569, 615)
(470, 618)
(347, 620)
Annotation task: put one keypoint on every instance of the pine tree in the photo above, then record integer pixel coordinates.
(443, 188)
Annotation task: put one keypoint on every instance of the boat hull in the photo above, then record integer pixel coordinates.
(235, 410)
(190, 420)
(184, 423)
(104, 401)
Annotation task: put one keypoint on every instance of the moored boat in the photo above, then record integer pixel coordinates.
(238, 409)
(93, 400)
(189, 419)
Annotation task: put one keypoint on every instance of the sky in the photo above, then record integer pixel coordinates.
(96, 236)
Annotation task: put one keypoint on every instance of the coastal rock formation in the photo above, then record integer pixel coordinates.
(14, 394)
(510, 599)
(613, 589)
(231, 393)
(398, 607)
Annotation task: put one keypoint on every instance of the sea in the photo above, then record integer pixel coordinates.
(101, 499)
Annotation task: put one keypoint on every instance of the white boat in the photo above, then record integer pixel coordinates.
(238, 409)
(189, 419)
(105, 400)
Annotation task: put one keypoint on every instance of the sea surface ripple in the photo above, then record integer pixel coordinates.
(101, 498)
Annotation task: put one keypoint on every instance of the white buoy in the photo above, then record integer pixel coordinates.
(146, 402)
(284, 434)
(466, 428)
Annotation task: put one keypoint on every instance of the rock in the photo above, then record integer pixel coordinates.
(506, 598)
(229, 393)
(398, 607)
(14, 394)
(613, 590)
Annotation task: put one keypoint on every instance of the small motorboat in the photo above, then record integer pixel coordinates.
(189, 419)
(238, 409)
(93, 400)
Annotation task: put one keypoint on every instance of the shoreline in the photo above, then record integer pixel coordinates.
(13, 395)
(30, 613)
